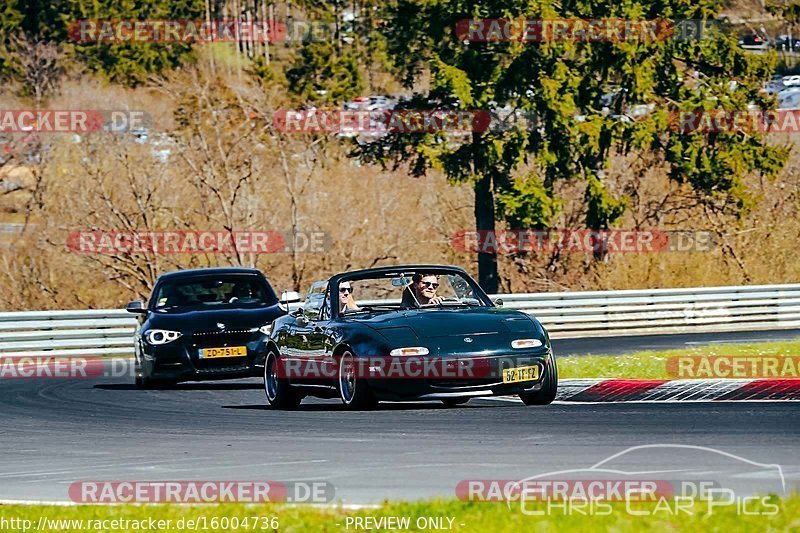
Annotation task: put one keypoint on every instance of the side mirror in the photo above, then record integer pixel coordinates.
(498, 302)
(288, 298)
(136, 307)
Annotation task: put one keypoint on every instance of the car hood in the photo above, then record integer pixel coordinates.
(193, 320)
(453, 322)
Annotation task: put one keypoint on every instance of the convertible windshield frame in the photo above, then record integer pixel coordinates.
(481, 298)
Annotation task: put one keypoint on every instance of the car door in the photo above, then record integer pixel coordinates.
(320, 342)
(319, 345)
(305, 333)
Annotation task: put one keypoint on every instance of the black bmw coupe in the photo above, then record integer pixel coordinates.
(407, 333)
(202, 324)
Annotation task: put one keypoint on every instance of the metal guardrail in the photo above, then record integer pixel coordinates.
(564, 314)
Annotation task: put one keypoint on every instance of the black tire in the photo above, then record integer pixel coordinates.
(142, 382)
(278, 391)
(452, 402)
(353, 391)
(547, 393)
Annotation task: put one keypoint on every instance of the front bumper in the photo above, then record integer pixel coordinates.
(481, 383)
(180, 361)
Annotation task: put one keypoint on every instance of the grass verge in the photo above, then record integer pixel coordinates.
(653, 365)
(436, 515)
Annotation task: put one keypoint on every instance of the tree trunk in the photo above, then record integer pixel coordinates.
(267, 19)
(484, 222)
(207, 5)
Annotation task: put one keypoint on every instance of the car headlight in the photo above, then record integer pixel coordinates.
(162, 336)
(266, 330)
(405, 352)
(526, 343)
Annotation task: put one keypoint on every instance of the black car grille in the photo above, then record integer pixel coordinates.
(219, 339)
(222, 368)
(461, 383)
(215, 339)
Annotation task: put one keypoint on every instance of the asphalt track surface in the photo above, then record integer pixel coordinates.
(57, 431)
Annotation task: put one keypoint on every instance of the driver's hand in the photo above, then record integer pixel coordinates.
(436, 300)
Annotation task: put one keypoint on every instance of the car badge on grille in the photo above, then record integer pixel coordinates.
(220, 325)
(467, 339)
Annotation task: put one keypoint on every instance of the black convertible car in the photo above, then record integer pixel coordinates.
(208, 323)
(406, 333)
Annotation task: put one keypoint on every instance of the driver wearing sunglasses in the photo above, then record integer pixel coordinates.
(424, 288)
(346, 300)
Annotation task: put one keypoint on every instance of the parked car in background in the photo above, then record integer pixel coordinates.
(753, 41)
(789, 98)
(791, 81)
(786, 43)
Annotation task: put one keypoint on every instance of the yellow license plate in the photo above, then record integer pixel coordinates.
(228, 351)
(522, 373)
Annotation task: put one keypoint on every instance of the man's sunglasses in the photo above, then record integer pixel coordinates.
(345, 289)
(430, 284)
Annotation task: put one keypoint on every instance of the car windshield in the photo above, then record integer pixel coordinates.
(214, 292)
(409, 290)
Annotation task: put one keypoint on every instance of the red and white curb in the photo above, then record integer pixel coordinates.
(679, 390)
(683, 390)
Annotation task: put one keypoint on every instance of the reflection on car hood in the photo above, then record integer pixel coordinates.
(446, 322)
(192, 320)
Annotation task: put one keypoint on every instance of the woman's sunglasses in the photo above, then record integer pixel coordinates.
(345, 289)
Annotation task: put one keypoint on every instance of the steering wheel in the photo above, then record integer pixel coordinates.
(447, 299)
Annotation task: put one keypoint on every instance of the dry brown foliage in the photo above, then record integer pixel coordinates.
(228, 169)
